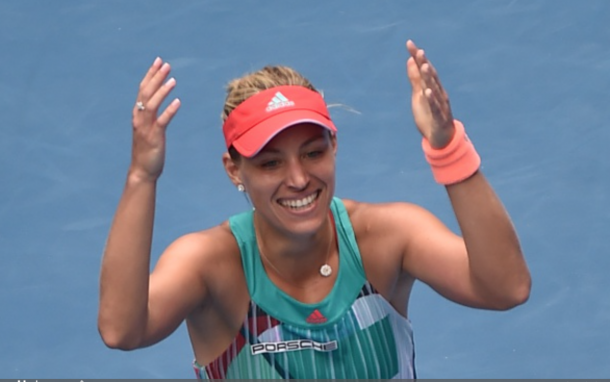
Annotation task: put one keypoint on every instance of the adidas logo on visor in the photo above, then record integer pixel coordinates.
(278, 101)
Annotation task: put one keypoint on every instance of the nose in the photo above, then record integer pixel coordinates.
(297, 177)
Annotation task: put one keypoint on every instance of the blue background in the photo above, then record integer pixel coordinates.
(529, 79)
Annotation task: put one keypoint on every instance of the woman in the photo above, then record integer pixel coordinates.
(306, 285)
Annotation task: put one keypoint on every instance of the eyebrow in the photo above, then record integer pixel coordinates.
(307, 142)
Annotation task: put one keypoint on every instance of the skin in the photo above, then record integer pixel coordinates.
(199, 278)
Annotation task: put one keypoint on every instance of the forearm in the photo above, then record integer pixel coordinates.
(125, 269)
(497, 266)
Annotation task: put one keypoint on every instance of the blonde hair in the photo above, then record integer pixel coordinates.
(242, 88)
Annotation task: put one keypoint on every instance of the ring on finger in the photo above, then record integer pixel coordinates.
(140, 106)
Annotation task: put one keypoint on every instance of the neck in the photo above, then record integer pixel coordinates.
(294, 257)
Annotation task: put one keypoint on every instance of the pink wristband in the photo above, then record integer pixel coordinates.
(455, 162)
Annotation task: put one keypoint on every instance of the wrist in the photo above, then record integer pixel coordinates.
(135, 176)
(455, 162)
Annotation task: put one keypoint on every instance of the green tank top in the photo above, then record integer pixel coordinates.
(353, 333)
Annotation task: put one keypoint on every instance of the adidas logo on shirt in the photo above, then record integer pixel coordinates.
(316, 318)
(278, 101)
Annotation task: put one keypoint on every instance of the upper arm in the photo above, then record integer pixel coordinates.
(177, 285)
(429, 250)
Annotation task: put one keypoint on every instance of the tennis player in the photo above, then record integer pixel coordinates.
(306, 284)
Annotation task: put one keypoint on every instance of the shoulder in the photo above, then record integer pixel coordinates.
(201, 256)
(203, 245)
(385, 229)
(385, 233)
(385, 218)
(402, 231)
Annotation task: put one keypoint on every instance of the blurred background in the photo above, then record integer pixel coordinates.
(529, 79)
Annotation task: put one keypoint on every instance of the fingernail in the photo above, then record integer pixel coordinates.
(157, 61)
(165, 66)
(171, 82)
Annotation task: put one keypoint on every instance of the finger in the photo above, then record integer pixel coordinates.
(151, 71)
(159, 96)
(433, 81)
(168, 114)
(427, 75)
(423, 83)
(148, 89)
(412, 48)
(414, 75)
(418, 54)
(419, 59)
(433, 102)
(439, 106)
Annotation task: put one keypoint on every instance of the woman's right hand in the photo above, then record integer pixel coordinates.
(148, 146)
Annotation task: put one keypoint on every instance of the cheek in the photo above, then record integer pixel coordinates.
(329, 174)
(260, 184)
(325, 173)
(329, 167)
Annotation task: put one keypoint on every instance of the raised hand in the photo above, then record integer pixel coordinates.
(148, 147)
(430, 102)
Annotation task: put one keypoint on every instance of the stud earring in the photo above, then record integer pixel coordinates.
(241, 188)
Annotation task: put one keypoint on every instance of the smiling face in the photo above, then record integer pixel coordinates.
(291, 182)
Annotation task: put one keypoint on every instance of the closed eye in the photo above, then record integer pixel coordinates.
(314, 154)
(270, 164)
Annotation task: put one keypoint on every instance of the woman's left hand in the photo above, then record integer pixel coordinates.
(430, 102)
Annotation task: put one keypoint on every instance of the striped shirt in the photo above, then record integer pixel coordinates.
(353, 333)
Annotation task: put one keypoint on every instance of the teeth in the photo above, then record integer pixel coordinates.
(301, 202)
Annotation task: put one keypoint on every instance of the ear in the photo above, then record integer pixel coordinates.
(333, 142)
(232, 169)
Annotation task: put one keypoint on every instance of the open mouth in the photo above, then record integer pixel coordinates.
(300, 204)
